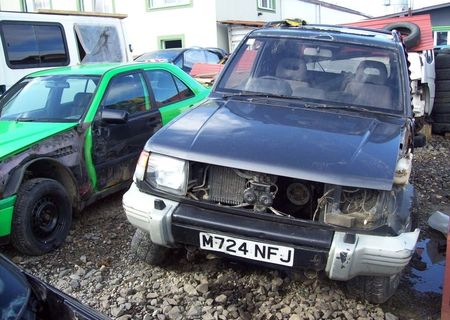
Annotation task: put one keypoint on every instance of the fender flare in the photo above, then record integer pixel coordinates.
(14, 182)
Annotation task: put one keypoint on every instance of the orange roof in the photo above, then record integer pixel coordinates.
(423, 21)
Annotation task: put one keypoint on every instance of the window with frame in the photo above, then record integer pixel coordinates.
(166, 88)
(77, 85)
(35, 5)
(128, 93)
(441, 38)
(266, 4)
(155, 4)
(29, 45)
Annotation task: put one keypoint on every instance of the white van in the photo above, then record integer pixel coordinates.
(34, 41)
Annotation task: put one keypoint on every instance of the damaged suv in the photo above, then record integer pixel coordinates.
(299, 159)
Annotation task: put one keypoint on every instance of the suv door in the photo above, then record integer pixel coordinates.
(116, 146)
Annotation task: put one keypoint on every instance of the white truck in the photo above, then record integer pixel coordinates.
(423, 89)
(35, 41)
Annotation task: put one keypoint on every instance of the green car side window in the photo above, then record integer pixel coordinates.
(167, 88)
(127, 92)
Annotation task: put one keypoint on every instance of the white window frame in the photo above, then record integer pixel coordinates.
(35, 5)
(270, 5)
(435, 37)
(157, 4)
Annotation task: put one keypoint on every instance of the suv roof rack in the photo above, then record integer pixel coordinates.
(286, 23)
(300, 23)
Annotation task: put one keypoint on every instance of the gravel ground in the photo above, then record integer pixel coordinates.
(95, 266)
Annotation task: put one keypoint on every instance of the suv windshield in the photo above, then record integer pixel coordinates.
(332, 72)
(48, 98)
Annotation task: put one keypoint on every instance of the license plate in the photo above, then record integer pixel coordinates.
(247, 249)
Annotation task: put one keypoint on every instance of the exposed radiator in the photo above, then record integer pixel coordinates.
(225, 186)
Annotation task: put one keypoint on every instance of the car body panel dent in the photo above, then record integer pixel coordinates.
(235, 134)
(64, 148)
(17, 135)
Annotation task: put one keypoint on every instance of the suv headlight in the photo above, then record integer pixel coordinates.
(357, 208)
(167, 173)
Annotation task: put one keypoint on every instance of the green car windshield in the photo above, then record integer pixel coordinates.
(56, 98)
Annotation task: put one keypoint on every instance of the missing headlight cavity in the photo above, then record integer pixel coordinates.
(357, 207)
(254, 191)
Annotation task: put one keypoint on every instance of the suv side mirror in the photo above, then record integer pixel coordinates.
(420, 140)
(114, 116)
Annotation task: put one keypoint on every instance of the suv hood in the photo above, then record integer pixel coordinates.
(336, 147)
(15, 136)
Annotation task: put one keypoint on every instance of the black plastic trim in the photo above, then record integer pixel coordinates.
(187, 215)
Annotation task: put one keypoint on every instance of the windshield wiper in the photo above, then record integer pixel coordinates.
(246, 94)
(338, 107)
(24, 119)
(349, 107)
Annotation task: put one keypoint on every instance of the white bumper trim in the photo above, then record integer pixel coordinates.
(369, 255)
(141, 212)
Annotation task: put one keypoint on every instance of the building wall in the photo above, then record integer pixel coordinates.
(439, 17)
(245, 10)
(10, 5)
(314, 13)
(195, 24)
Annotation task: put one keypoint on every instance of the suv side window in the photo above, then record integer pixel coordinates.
(212, 57)
(29, 45)
(127, 92)
(167, 88)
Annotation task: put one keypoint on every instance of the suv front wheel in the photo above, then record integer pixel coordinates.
(375, 289)
(42, 216)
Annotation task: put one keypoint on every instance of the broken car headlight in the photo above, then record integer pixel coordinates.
(167, 173)
(357, 208)
(139, 173)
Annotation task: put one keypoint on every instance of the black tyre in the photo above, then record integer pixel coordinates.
(442, 60)
(443, 74)
(440, 128)
(145, 250)
(410, 32)
(441, 118)
(419, 140)
(42, 216)
(440, 108)
(442, 100)
(373, 289)
(442, 85)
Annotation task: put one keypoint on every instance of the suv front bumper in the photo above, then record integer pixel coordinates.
(342, 255)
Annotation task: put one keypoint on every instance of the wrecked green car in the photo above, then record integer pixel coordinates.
(69, 136)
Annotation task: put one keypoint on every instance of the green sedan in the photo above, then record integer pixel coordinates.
(70, 136)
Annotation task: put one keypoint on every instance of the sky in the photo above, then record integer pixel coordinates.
(377, 7)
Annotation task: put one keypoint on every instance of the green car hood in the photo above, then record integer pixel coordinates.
(16, 136)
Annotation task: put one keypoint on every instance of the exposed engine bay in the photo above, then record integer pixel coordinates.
(282, 196)
(254, 191)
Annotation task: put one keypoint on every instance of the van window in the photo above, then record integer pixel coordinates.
(33, 45)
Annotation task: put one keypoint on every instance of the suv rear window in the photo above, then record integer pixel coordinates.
(33, 45)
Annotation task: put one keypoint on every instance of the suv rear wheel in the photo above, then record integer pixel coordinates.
(42, 216)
